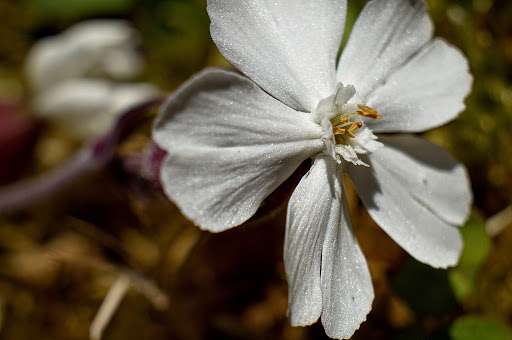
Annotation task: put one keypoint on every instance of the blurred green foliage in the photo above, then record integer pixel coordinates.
(477, 244)
(477, 328)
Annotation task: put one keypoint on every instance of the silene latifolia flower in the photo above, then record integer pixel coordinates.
(233, 139)
(79, 78)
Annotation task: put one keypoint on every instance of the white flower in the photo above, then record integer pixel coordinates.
(77, 77)
(233, 140)
(105, 48)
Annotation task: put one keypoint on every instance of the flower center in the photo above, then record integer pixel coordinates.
(342, 120)
(339, 126)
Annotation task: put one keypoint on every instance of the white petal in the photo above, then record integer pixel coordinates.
(104, 45)
(87, 108)
(288, 47)
(126, 95)
(425, 93)
(305, 234)
(93, 47)
(80, 106)
(230, 145)
(222, 108)
(77, 97)
(122, 97)
(416, 192)
(385, 35)
(326, 269)
(219, 188)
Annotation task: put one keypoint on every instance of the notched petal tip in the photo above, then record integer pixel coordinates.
(348, 333)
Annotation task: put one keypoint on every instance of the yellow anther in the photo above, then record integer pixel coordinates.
(349, 132)
(368, 112)
(338, 132)
(355, 126)
(339, 127)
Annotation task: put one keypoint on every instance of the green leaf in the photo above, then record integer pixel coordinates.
(476, 247)
(476, 328)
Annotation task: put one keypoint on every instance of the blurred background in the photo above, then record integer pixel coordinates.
(60, 257)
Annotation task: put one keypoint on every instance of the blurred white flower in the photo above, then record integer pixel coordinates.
(232, 140)
(90, 106)
(104, 48)
(78, 77)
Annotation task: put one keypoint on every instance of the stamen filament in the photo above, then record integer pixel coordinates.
(338, 139)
